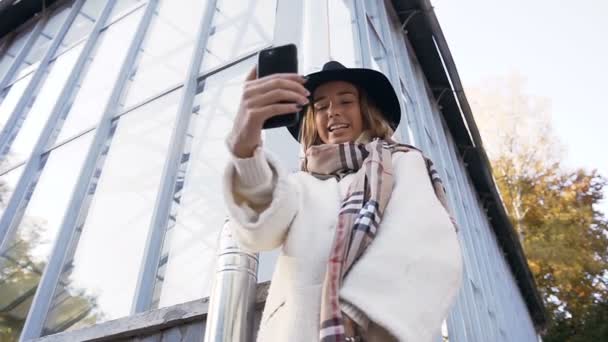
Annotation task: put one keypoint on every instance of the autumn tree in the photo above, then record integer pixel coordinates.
(554, 209)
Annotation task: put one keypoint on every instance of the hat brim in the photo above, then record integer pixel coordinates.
(374, 83)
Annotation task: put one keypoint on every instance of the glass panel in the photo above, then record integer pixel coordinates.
(342, 33)
(36, 115)
(105, 264)
(8, 181)
(92, 8)
(97, 84)
(44, 39)
(13, 50)
(165, 54)
(187, 260)
(82, 24)
(13, 94)
(239, 27)
(123, 6)
(26, 253)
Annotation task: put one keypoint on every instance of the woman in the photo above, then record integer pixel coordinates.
(368, 251)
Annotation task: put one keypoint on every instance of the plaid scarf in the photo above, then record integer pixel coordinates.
(360, 213)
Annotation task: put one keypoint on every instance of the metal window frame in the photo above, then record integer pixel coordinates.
(144, 102)
(8, 221)
(10, 131)
(154, 241)
(35, 318)
(119, 17)
(473, 320)
(52, 273)
(459, 194)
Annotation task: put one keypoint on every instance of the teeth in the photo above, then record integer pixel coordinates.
(334, 127)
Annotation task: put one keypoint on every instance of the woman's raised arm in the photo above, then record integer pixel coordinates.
(259, 196)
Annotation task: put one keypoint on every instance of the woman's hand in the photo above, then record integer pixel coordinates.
(264, 98)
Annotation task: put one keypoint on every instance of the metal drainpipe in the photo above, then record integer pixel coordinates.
(232, 303)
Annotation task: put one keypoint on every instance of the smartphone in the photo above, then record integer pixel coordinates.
(280, 59)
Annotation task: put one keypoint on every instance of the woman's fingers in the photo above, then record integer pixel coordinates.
(283, 92)
(278, 95)
(264, 98)
(253, 74)
(275, 109)
(288, 76)
(262, 87)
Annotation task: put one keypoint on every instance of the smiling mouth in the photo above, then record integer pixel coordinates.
(337, 127)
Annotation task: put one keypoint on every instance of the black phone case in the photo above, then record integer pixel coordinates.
(280, 59)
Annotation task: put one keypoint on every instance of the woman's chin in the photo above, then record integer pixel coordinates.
(341, 139)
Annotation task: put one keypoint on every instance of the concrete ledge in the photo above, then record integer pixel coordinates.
(147, 323)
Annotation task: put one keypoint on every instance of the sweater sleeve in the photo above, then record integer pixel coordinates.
(261, 200)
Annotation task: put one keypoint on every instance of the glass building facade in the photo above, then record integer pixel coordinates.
(113, 116)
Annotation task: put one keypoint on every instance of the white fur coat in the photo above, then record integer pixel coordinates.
(403, 285)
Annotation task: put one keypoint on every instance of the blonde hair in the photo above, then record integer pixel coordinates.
(374, 122)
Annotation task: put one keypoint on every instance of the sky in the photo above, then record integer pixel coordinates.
(560, 47)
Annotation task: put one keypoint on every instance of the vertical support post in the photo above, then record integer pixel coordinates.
(164, 199)
(289, 28)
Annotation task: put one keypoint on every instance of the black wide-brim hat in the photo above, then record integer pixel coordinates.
(378, 88)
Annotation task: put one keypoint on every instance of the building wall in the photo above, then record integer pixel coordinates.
(113, 118)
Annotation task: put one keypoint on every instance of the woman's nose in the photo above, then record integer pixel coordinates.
(332, 110)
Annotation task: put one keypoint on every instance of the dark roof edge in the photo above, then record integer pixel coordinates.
(443, 70)
(15, 15)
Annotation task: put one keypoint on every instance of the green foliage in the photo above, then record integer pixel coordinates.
(21, 268)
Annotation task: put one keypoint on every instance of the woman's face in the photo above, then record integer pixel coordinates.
(338, 116)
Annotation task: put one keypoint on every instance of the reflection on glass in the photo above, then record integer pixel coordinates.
(13, 50)
(8, 181)
(239, 27)
(82, 24)
(98, 82)
(25, 254)
(13, 94)
(115, 218)
(37, 114)
(165, 53)
(42, 42)
(187, 260)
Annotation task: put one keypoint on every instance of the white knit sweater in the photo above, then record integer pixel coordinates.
(404, 283)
